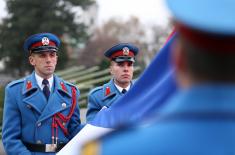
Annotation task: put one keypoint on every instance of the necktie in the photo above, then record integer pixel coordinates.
(45, 89)
(124, 91)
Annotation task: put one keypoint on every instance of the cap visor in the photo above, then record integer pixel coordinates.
(44, 49)
(123, 59)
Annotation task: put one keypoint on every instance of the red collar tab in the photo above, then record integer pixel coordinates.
(107, 91)
(209, 41)
(122, 53)
(29, 85)
(63, 86)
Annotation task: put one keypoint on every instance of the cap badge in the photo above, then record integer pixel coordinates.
(125, 51)
(45, 41)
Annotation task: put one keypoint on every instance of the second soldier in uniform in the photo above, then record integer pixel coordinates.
(122, 58)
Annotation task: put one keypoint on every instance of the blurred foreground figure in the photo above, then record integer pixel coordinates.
(200, 118)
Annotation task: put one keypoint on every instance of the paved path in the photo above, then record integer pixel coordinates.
(83, 115)
(2, 152)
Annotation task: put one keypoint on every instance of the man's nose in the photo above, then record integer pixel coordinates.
(126, 67)
(48, 58)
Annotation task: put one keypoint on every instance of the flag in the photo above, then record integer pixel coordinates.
(149, 93)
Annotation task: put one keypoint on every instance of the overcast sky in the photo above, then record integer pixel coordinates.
(148, 11)
(2, 6)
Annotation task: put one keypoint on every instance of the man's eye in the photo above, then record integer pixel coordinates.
(120, 64)
(41, 55)
(130, 64)
(52, 55)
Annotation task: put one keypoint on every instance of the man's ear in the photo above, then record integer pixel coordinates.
(179, 60)
(179, 57)
(31, 60)
(111, 68)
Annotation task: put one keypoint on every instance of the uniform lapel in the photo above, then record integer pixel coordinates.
(112, 96)
(59, 100)
(32, 94)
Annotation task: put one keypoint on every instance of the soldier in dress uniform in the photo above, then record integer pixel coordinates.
(41, 112)
(200, 118)
(122, 58)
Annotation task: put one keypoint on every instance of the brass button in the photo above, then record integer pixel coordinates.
(63, 105)
(39, 142)
(29, 106)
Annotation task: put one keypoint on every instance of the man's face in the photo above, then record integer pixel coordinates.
(44, 63)
(122, 72)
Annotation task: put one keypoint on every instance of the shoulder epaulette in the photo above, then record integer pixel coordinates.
(96, 89)
(70, 84)
(66, 86)
(16, 82)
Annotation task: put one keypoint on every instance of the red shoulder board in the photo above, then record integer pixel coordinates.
(29, 85)
(63, 86)
(107, 91)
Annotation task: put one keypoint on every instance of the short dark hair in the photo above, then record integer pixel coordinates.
(211, 65)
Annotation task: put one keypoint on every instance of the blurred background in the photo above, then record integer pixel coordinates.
(87, 28)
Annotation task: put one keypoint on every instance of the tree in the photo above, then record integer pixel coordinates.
(95, 47)
(27, 17)
(110, 33)
(159, 35)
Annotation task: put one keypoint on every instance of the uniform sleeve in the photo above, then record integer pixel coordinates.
(92, 108)
(11, 131)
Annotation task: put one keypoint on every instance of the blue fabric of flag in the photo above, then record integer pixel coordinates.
(149, 93)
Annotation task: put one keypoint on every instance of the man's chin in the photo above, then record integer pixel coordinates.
(49, 72)
(126, 81)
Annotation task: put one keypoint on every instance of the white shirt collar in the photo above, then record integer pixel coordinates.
(39, 81)
(120, 88)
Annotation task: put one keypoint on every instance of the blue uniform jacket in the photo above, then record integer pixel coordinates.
(198, 121)
(28, 115)
(101, 96)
